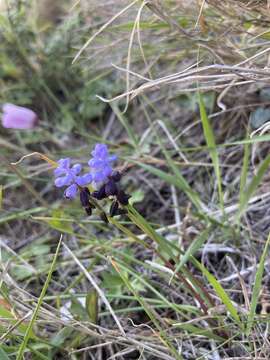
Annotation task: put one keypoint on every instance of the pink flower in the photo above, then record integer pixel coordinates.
(18, 117)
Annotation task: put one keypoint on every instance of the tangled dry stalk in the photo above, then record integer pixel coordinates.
(221, 45)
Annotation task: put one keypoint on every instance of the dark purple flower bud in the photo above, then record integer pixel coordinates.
(99, 194)
(88, 210)
(111, 188)
(103, 217)
(122, 212)
(122, 197)
(113, 209)
(84, 197)
(116, 176)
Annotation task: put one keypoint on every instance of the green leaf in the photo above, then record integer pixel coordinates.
(6, 314)
(91, 305)
(59, 338)
(136, 196)
(257, 287)
(111, 280)
(4, 22)
(3, 354)
(41, 249)
(58, 224)
(77, 309)
(113, 283)
(210, 140)
(22, 272)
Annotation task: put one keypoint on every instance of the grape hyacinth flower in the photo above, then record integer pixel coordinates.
(107, 179)
(104, 178)
(18, 117)
(100, 164)
(69, 176)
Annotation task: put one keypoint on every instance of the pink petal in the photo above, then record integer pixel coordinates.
(18, 117)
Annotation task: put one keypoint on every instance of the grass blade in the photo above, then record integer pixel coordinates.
(126, 125)
(91, 305)
(193, 247)
(1, 196)
(249, 191)
(180, 181)
(137, 219)
(210, 140)
(257, 287)
(244, 173)
(20, 214)
(162, 336)
(224, 298)
(97, 288)
(177, 181)
(195, 330)
(39, 303)
(201, 294)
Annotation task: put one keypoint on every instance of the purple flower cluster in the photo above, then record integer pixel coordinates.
(101, 163)
(69, 176)
(101, 175)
